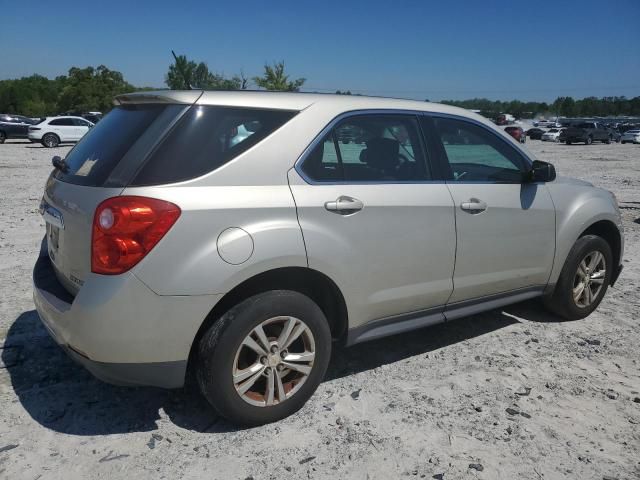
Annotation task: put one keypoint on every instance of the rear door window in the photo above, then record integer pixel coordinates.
(370, 149)
(204, 139)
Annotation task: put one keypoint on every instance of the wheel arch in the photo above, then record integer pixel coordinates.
(608, 231)
(583, 211)
(316, 285)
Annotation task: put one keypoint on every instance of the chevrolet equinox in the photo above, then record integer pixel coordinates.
(236, 235)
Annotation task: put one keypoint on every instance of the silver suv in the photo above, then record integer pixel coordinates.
(232, 234)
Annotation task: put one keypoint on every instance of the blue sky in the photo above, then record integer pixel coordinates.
(531, 50)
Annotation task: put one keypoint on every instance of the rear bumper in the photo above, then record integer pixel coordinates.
(118, 329)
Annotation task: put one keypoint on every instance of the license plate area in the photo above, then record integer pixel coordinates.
(55, 223)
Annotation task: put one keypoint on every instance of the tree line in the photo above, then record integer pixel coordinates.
(562, 106)
(93, 88)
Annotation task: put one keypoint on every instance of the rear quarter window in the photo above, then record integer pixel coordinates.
(204, 139)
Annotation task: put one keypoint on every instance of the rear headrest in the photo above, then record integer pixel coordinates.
(381, 153)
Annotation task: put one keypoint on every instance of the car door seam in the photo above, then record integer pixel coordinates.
(295, 204)
(455, 250)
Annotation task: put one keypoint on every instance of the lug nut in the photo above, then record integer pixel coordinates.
(280, 367)
(263, 360)
(274, 349)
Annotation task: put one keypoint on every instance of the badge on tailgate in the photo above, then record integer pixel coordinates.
(51, 215)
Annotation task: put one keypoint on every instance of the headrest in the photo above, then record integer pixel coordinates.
(381, 152)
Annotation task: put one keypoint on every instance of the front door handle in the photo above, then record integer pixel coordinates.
(473, 205)
(344, 205)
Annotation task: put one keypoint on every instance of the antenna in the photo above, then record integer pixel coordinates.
(179, 68)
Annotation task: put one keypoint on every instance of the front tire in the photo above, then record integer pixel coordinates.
(3, 137)
(584, 279)
(263, 359)
(588, 141)
(50, 140)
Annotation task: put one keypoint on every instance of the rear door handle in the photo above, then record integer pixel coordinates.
(344, 205)
(473, 205)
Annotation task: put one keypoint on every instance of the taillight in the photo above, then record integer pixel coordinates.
(125, 229)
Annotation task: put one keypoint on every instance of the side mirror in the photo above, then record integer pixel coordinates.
(542, 172)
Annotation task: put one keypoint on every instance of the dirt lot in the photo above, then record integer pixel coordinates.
(503, 395)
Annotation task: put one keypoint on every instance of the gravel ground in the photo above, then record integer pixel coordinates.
(503, 395)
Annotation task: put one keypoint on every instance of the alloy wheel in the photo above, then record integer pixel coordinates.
(589, 279)
(273, 361)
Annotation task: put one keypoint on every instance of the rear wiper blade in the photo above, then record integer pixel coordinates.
(60, 164)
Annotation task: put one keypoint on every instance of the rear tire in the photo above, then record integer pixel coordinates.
(588, 141)
(623, 142)
(229, 359)
(568, 142)
(50, 140)
(3, 137)
(573, 279)
(608, 141)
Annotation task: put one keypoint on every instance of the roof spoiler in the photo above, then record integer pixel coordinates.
(186, 97)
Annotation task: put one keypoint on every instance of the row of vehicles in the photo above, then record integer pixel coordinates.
(574, 130)
(584, 132)
(50, 131)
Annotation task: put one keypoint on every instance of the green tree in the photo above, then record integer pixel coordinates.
(184, 74)
(89, 88)
(274, 78)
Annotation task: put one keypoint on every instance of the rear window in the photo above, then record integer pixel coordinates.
(204, 139)
(92, 160)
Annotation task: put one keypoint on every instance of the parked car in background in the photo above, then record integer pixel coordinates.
(350, 134)
(552, 135)
(544, 123)
(52, 131)
(615, 134)
(535, 133)
(517, 133)
(93, 117)
(505, 119)
(630, 136)
(587, 132)
(14, 126)
(248, 270)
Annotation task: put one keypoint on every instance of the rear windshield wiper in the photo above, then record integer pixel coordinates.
(60, 164)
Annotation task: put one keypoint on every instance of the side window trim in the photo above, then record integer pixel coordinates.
(330, 128)
(524, 161)
(436, 156)
(336, 145)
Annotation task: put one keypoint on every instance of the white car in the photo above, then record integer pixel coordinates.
(552, 135)
(632, 136)
(544, 123)
(53, 131)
